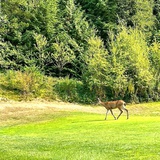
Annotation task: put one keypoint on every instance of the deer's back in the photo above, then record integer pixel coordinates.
(114, 104)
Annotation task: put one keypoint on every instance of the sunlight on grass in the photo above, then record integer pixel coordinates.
(81, 136)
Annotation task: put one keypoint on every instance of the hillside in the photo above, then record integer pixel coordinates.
(108, 49)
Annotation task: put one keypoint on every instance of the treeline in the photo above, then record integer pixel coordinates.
(108, 49)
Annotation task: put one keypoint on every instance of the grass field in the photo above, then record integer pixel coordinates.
(46, 133)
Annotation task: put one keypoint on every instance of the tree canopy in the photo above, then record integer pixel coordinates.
(112, 46)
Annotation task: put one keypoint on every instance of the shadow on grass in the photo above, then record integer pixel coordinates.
(100, 120)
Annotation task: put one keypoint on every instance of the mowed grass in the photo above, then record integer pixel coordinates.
(46, 134)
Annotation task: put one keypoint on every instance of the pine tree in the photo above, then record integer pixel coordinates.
(144, 18)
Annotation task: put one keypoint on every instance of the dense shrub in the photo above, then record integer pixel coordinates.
(72, 90)
(29, 83)
(68, 89)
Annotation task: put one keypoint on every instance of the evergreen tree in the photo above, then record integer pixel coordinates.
(125, 11)
(26, 19)
(73, 32)
(144, 18)
(103, 14)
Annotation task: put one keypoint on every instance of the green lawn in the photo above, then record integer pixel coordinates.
(62, 135)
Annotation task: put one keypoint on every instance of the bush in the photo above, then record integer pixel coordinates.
(68, 89)
(30, 83)
(72, 90)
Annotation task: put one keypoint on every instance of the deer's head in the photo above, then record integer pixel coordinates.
(99, 101)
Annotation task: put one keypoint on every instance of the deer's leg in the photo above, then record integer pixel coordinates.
(106, 114)
(120, 113)
(127, 113)
(113, 114)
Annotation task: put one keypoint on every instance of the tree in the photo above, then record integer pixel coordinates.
(144, 18)
(103, 14)
(73, 32)
(63, 55)
(112, 45)
(41, 43)
(96, 68)
(125, 11)
(129, 49)
(155, 61)
(25, 18)
(156, 12)
(10, 56)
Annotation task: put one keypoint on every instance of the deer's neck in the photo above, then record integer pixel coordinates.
(104, 103)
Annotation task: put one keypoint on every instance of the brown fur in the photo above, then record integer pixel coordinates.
(120, 104)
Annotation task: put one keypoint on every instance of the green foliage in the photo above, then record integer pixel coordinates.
(41, 42)
(130, 58)
(28, 84)
(51, 7)
(103, 14)
(155, 55)
(126, 10)
(72, 36)
(26, 25)
(111, 46)
(10, 57)
(95, 73)
(155, 60)
(156, 11)
(144, 18)
(42, 55)
(72, 90)
(63, 55)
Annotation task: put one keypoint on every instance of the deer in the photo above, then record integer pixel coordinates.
(109, 105)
